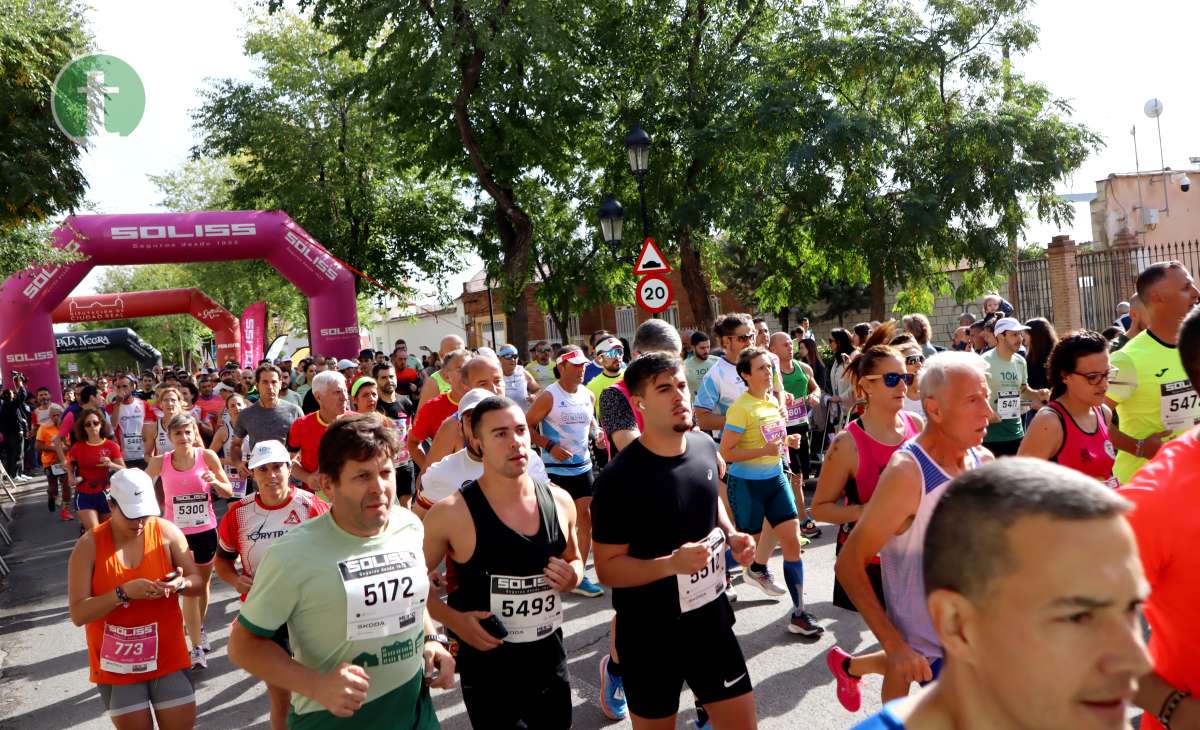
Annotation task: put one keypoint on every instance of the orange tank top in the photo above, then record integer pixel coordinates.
(146, 640)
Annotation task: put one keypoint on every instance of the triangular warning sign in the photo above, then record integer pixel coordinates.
(650, 260)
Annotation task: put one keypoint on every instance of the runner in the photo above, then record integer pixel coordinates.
(1073, 430)
(155, 439)
(914, 361)
(611, 354)
(519, 384)
(211, 404)
(439, 382)
(848, 479)
(622, 423)
(366, 650)
(136, 650)
(223, 440)
(1034, 586)
(1150, 392)
(399, 409)
(364, 395)
(266, 420)
(253, 524)
(664, 559)
(92, 458)
(567, 418)
(190, 475)
(304, 435)
(445, 476)
(1008, 381)
(762, 333)
(56, 476)
(595, 366)
(540, 367)
(752, 444)
(128, 414)
(408, 371)
(892, 526)
(511, 541)
(801, 384)
(479, 372)
(698, 363)
(147, 390)
(286, 392)
(433, 412)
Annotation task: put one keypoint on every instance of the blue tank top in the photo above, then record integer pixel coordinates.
(569, 423)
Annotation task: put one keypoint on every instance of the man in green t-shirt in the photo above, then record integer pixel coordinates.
(611, 355)
(1008, 382)
(698, 363)
(366, 651)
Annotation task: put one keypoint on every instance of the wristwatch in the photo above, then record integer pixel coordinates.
(122, 596)
(439, 638)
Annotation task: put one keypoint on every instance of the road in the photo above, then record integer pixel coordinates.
(43, 660)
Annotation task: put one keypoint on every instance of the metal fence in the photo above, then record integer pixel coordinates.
(1033, 289)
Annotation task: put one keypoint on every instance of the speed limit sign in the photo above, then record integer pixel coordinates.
(654, 293)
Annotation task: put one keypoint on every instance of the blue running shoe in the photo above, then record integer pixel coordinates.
(612, 693)
(587, 589)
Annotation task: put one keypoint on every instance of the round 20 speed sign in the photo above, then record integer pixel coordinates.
(654, 293)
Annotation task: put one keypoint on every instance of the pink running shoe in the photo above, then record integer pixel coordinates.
(848, 692)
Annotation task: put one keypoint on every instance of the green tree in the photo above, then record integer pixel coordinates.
(499, 92)
(306, 138)
(40, 176)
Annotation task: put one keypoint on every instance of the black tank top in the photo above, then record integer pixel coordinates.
(500, 550)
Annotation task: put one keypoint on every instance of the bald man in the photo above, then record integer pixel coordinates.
(479, 372)
(439, 382)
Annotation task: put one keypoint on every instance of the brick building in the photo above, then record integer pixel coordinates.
(620, 319)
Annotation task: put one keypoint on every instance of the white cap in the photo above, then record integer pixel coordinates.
(133, 491)
(609, 343)
(345, 364)
(268, 452)
(1009, 324)
(575, 357)
(472, 399)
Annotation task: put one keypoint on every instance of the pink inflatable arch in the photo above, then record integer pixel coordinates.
(138, 304)
(28, 298)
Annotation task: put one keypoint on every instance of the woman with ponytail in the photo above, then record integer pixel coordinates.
(1073, 429)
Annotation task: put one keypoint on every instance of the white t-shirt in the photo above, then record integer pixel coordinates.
(914, 406)
(448, 475)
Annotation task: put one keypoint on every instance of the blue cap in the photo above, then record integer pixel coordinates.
(506, 350)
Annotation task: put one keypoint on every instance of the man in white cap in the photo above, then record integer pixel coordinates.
(519, 384)
(610, 353)
(446, 475)
(256, 521)
(1008, 381)
(348, 368)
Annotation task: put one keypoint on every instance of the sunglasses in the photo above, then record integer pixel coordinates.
(891, 380)
(914, 360)
(743, 338)
(615, 352)
(89, 424)
(508, 357)
(1095, 378)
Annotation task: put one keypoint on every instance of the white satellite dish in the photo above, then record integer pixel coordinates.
(1153, 108)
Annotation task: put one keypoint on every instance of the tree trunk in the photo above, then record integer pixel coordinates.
(516, 240)
(785, 318)
(692, 273)
(878, 292)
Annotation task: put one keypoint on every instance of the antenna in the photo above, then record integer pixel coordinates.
(1154, 110)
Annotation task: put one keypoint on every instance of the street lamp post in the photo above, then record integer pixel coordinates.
(637, 143)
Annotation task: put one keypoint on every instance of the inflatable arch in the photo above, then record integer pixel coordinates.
(28, 298)
(133, 305)
(118, 338)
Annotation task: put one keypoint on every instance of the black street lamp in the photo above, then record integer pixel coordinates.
(612, 223)
(637, 143)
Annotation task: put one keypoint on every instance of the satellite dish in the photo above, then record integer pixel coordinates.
(1153, 108)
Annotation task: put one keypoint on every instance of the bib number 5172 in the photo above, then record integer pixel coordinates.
(386, 591)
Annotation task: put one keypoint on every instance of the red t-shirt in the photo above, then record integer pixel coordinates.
(431, 415)
(1167, 525)
(87, 462)
(305, 436)
(211, 407)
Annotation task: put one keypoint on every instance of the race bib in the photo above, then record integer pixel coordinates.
(133, 445)
(703, 586)
(1008, 405)
(385, 593)
(401, 424)
(189, 510)
(235, 479)
(132, 650)
(774, 430)
(1179, 406)
(527, 606)
(797, 412)
(57, 470)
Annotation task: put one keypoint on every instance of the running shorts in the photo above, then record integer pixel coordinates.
(203, 546)
(577, 485)
(404, 480)
(1003, 448)
(96, 501)
(172, 690)
(525, 695)
(699, 648)
(135, 464)
(755, 499)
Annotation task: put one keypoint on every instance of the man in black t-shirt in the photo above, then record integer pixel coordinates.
(665, 559)
(401, 411)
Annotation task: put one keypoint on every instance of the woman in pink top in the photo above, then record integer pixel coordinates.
(849, 475)
(189, 477)
(1073, 430)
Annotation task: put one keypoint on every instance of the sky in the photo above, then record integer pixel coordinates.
(1106, 57)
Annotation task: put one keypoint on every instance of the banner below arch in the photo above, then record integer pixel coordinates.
(118, 338)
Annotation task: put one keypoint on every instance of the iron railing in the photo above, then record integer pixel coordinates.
(1033, 290)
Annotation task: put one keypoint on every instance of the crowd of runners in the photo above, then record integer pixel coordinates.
(1006, 507)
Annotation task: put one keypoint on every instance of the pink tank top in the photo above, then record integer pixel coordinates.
(187, 499)
(873, 456)
(1090, 453)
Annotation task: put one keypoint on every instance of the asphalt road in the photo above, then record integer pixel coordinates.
(43, 660)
